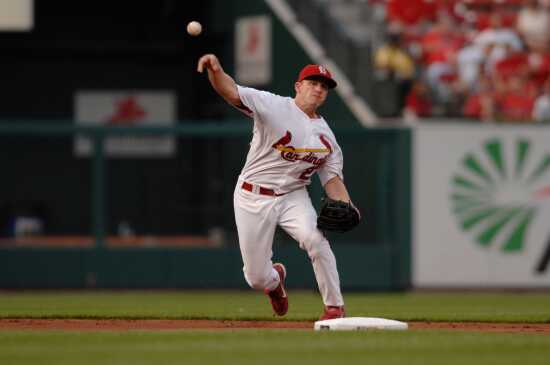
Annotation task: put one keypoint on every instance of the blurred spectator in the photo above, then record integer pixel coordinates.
(515, 103)
(418, 103)
(440, 46)
(480, 104)
(393, 63)
(539, 67)
(453, 8)
(516, 85)
(481, 59)
(470, 62)
(410, 12)
(541, 109)
(499, 39)
(533, 24)
(512, 64)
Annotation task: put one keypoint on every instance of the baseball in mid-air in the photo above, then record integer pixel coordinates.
(194, 28)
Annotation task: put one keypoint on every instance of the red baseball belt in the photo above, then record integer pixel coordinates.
(261, 190)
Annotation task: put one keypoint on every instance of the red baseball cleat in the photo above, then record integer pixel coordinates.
(278, 297)
(332, 312)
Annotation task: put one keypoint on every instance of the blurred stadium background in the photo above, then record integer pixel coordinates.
(119, 161)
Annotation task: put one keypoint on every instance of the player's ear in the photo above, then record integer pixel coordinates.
(297, 85)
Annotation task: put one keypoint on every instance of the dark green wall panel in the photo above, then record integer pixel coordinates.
(40, 268)
(360, 268)
(376, 255)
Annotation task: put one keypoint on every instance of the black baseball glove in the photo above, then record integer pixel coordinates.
(337, 216)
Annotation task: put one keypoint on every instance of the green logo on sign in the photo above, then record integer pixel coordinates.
(494, 194)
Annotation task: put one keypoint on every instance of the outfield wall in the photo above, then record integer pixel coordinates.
(480, 209)
(481, 206)
(167, 222)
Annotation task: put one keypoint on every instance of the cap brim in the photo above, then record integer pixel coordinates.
(330, 82)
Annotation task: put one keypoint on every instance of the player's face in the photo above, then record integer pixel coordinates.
(312, 91)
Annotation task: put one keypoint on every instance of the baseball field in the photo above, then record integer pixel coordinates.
(237, 327)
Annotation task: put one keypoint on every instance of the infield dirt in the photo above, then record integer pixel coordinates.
(152, 324)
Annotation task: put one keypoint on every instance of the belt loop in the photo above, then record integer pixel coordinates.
(256, 189)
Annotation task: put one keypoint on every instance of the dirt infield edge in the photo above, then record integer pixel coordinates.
(151, 324)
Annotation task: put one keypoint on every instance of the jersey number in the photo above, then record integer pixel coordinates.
(307, 173)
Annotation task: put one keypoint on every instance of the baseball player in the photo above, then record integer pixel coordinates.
(291, 141)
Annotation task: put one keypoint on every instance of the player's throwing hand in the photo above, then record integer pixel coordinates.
(209, 61)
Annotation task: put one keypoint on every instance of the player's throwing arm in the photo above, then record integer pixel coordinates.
(221, 82)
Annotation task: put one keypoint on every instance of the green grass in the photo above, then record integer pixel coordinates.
(303, 347)
(492, 307)
(272, 347)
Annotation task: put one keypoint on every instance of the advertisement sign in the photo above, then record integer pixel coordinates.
(253, 50)
(16, 15)
(481, 206)
(125, 108)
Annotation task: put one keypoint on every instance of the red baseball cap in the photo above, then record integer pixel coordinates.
(311, 71)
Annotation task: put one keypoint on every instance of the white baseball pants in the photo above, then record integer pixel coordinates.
(257, 217)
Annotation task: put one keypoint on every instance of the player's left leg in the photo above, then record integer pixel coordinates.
(299, 219)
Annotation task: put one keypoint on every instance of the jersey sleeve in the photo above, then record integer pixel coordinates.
(333, 166)
(255, 102)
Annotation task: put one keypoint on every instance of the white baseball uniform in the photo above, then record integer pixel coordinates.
(287, 148)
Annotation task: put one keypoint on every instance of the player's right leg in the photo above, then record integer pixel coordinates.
(256, 220)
